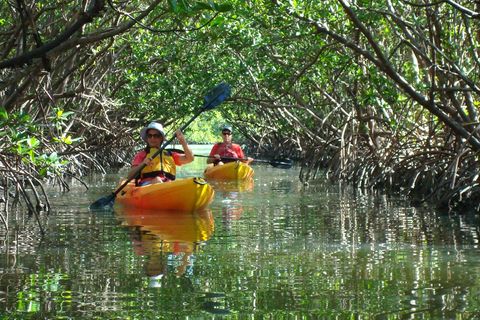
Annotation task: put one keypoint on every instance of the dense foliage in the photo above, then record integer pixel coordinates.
(380, 94)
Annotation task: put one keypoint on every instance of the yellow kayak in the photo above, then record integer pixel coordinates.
(229, 171)
(180, 195)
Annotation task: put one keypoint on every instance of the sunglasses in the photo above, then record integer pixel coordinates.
(155, 135)
(226, 133)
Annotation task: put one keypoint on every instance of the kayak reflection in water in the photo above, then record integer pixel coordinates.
(168, 240)
(162, 168)
(221, 151)
(230, 192)
(164, 256)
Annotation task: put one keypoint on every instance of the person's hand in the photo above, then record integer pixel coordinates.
(249, 159)
(180, 137)
(217, 159)
(157, 180)
(147, 161)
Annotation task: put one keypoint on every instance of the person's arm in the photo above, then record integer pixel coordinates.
(241, 155)
(214, 156)
(187, 157)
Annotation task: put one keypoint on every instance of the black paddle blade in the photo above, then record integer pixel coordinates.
(103, 203)
(282, 163)
(216, 96)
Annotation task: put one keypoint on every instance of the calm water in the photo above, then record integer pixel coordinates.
(269, 250)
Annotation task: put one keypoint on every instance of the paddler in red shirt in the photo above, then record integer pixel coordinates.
(222, 151)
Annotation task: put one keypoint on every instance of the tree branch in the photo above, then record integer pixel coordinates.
(96, 7)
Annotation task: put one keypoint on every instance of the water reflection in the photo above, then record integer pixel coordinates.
(167, 239)
(231, 200)
(277, 250)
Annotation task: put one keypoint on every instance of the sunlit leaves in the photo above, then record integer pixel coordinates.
(27, 140)
(217, 21)
(60, 117)
(192, 7)
(32, 142)
(67, 139)
(50, 165)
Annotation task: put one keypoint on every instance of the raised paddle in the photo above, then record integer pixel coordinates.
(277, 163)
(213, 98)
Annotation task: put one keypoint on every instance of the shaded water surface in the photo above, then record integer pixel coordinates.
(272, 249)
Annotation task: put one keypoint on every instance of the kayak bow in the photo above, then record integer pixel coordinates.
(229, 171)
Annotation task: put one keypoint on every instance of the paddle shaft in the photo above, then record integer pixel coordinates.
(272, 162)
(284, 163)
(228, 158)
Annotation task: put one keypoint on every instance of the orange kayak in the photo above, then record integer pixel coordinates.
(180, 195)
(229, 171)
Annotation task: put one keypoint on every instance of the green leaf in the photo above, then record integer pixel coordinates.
(3, 114)
(218, 21)
(173, 5)
(67, 139)
(201, 6)
(62, 115)
(31, 154)
(43, 172)
(24, 117)
(225, 7)
(33, 142)
(20, 149)
(176, 6)
(53, 157)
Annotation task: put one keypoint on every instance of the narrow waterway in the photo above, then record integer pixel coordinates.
(271, 249)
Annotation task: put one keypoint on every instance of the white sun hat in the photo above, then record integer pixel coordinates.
(152, 125)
